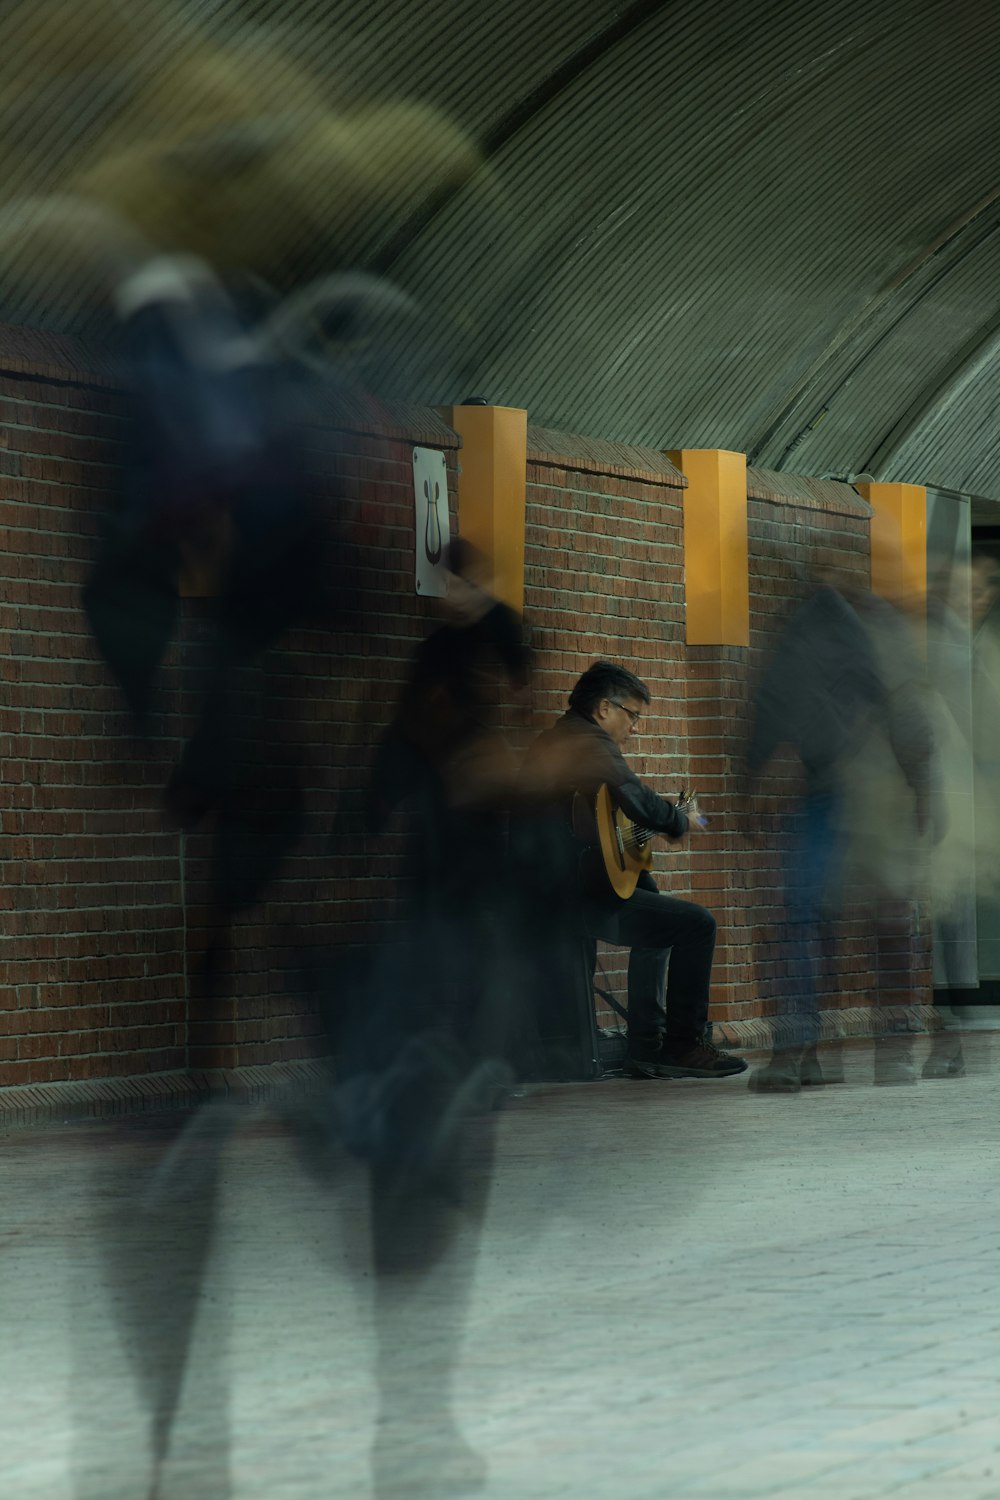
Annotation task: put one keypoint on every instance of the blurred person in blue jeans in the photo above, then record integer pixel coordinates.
(843, 664)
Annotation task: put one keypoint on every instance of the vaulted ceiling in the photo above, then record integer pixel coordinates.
(766, 225)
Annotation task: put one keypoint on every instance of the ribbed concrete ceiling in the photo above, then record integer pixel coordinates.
(769, 226)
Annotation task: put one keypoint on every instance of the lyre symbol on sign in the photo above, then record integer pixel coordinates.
(432, 529)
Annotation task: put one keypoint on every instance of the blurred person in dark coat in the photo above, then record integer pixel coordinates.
(965, 866)
(211, 223)
(843, 663)
(420, 1022)
(215, 180)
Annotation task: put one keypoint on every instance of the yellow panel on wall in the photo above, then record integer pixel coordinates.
(716, 576)
(492, 484)
(898, 541)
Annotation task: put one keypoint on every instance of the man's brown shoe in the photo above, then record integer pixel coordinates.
(702, 1060)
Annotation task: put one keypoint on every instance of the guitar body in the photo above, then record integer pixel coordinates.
(626, 848)
(620, 850)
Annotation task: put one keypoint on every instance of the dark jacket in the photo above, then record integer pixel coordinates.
(576, 755)
(820, 681)
(449, 691)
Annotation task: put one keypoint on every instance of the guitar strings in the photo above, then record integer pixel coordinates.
(637, 838)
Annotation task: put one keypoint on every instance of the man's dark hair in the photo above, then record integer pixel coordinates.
(606, 680)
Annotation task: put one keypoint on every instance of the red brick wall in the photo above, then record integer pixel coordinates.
(716, 707)
(92, 967)
(104, 904)
(604, 579)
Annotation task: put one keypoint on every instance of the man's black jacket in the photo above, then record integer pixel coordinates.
(576, 755)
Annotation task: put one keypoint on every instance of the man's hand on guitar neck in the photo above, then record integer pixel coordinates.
(687, 803)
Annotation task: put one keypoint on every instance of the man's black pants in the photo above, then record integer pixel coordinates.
(669, 968)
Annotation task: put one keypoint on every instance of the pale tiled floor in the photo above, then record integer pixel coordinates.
(683, 1290)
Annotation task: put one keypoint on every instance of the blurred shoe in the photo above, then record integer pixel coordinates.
(894, 1069)
(945, 1061)
(813, 1072)
(781, 1074)
(435, 1462)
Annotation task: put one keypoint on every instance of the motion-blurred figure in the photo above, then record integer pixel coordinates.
(984, 599)
(206, 191)
(209, 218)
(215, 479)
(843, 688)
(449, 719)
(966, 865)
(446, 763)
(421, 1028)
(198, 139)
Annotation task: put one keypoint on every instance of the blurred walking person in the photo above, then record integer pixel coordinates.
(420, 1024)
(842, 679)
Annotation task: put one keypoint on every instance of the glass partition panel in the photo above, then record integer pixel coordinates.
(949, 665)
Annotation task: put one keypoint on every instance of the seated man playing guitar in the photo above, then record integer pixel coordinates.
(568, 766)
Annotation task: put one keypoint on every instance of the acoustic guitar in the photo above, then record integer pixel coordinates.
(618, 849)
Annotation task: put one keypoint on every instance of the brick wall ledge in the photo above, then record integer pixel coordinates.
(40, 1103)
(584, 455)
(805, 493)
(836, 1025)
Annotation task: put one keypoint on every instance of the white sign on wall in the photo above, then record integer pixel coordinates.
(430, 494)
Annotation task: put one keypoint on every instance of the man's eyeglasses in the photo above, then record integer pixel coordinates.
(634, 717)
